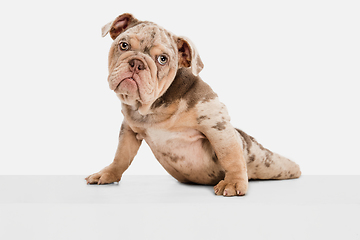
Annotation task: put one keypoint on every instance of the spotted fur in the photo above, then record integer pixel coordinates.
(178, 115)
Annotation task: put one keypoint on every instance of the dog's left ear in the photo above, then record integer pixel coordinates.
(119, 25)
(189, 56)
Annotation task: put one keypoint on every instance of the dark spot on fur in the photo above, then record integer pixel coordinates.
(212, 175)
(291, 175)
(168, 34)
(214, 158)
(251, 158)
(174, 158)
(268, 161)
(260, 146)
(202, 118)
(153, 34)
(277, 176)
(220, 126)
(221, 175)
(147, 50)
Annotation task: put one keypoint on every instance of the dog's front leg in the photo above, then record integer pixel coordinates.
(228, 149)
(214, 122)
(126, 151)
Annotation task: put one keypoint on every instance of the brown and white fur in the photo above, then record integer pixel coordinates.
(165, 103)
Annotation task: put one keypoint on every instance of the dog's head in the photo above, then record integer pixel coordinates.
(144, 59)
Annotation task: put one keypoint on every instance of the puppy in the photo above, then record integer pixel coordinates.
(155, 74)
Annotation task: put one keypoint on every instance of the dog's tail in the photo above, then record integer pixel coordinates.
(264, 164)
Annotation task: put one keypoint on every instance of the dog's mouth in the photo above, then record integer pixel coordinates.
(128, 91)
(129, 83)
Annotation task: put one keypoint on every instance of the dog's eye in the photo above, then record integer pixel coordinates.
(124, 46)
(162, 59)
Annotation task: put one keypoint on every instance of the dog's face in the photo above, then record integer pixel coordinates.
(144, 59)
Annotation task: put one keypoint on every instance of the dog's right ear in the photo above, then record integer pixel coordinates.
(119, 25)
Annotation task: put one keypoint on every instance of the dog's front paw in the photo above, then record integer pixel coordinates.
(231, 188)
(105, 176)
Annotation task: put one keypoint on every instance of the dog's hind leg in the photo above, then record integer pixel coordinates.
(264, 164)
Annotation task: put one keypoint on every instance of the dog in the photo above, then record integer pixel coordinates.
(155, 74)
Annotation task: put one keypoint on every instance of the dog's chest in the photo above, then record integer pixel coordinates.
(186, 154)
(174, 143)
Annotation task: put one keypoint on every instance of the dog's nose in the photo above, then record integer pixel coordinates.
(136, 65)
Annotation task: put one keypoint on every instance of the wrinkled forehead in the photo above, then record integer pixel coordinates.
(146, 36)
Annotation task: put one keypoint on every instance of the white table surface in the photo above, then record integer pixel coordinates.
(159, 207)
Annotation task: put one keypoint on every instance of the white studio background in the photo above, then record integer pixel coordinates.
(288, 72)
